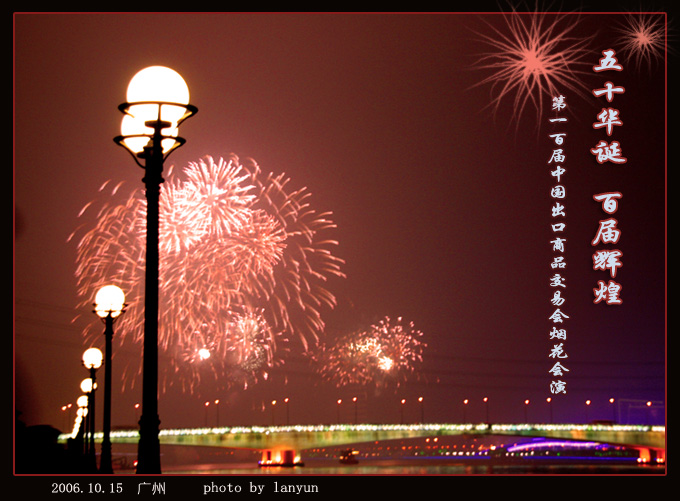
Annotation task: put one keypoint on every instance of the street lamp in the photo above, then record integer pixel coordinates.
(109, 304)
(486, 407)
(338, 409)
(157, 103)
(285, 400)
(526, 406)
(549, 400)
(92, 360)
(422, 410)
(403, 401)
(587, 406)
(611, 401)
(81, 421)
(67, 417)
(354, 399)
(649, 406)
(465, 402)
(217, 412)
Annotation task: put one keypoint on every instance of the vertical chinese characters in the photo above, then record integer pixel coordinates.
(608, 233)
(558, 226)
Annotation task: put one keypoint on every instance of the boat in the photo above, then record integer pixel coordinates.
(348, 456)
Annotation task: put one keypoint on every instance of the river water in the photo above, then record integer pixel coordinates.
(419, 466)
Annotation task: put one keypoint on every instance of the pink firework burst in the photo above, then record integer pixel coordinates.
(534, 58)
(387, 353)
(244, 266)
(644, 38)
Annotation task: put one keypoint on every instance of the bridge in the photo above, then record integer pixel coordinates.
(280, 444)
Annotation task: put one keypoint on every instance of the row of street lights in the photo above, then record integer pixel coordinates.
(157, 103)
(549, 401)
(109, 304)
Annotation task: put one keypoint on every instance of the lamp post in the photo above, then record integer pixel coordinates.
(285, 400)
(526, 407)
(66, 408)
(81, 419)
(157, 103)
(92, 360)
(356, 414)
(86, 388)
(611, 401)
(549, 400)
(649, 407)
(109, 304)
(465, 402)
(587, 406)
(217, 412)
(422, 410)
(486, 407)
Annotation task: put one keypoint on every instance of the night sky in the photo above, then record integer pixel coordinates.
(442, 203)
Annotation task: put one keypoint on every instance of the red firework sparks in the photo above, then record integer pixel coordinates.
(644, 38)
(385, 354)
(534, 57)
(243, 269)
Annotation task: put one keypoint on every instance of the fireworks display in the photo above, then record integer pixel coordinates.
(243, 269)
(644, 38)
(387, 353)
(534, 58)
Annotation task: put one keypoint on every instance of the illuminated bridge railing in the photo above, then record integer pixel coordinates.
(300, 437)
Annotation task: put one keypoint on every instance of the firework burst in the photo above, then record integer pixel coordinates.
(387, 353)
(644, 38)
(534, 58)
(243, 269)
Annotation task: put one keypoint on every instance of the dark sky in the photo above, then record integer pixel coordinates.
(442, 206)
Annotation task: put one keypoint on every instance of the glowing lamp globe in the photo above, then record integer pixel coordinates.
(92, 358)
(86, 385)
(154, 93)
(82, 402)
(110, 299)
